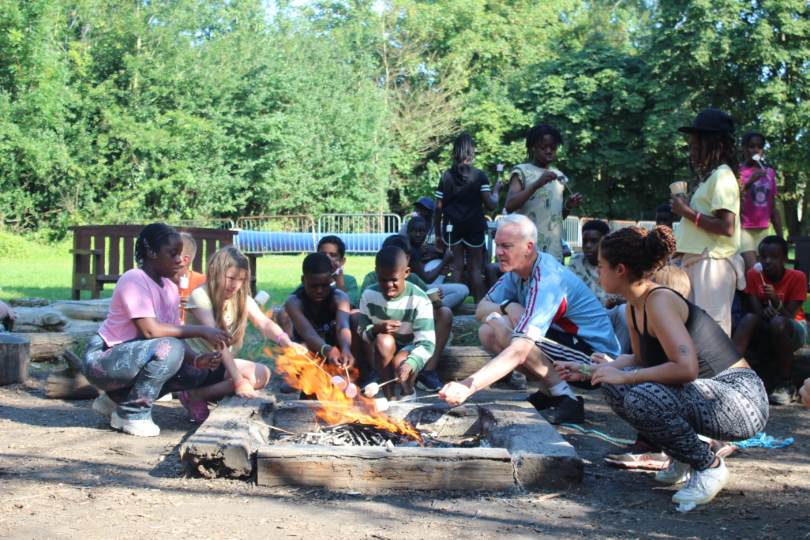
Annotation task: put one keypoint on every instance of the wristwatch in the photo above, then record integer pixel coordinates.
(504, 305)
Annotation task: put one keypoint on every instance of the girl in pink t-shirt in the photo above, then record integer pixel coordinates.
(759, 190)
(138, 354)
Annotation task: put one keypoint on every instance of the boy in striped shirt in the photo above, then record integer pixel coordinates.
(396, 317)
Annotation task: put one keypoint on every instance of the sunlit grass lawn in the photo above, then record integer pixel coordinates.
(43, 272)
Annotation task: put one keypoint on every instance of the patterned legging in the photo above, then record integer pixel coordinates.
(731, 406)
(137, 372)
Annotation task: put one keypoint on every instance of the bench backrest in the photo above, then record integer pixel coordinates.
(118, 243)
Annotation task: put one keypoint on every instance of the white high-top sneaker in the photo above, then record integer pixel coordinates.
(702, 486)
(141, 428)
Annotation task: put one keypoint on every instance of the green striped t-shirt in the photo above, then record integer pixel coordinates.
(413, 309)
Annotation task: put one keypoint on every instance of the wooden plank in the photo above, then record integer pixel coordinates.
(128, 260)
(224, 445)
(114, 255)
(210, 249)
(399, 468)
(458, 363)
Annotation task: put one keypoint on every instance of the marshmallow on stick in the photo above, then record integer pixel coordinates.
(340, 382)
(371, 389)
(758, 270)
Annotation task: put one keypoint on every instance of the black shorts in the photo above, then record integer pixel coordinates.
(214, 376)
(473, 239)
(581, 352)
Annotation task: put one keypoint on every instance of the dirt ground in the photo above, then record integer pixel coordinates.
(65, 474)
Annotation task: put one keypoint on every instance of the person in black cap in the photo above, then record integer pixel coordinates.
(462, 194)
(423, 208)
(709, 233)
(664, 216)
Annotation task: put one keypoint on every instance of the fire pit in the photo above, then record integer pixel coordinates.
(342, 442)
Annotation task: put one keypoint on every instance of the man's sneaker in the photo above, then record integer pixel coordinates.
(428, 381)
(141, 428)
(372, 377)
(675, 473)
(517, 380)
(565, 410)
(540, 400)
(702, 486)
(783, 394)
(638, 456)
(104, 406)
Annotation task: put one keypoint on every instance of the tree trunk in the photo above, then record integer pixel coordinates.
(14, 358)
(50, 346)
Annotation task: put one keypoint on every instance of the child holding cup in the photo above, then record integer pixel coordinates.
(708, 237)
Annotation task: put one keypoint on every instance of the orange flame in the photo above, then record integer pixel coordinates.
(311, 375)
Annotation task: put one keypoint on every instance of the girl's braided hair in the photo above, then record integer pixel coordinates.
(537, 133)
(716, 148)
(642, 252)
(152, 237)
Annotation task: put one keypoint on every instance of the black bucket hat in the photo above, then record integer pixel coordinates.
(710, 120)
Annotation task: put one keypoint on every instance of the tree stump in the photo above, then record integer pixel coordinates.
(14, 358)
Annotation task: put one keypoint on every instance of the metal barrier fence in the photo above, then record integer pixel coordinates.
(226, 224)
(572, 232)
(650, 224)
(618, 224)
(362, 233)
(276, 234)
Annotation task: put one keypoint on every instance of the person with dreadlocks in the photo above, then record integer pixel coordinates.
(685, 377)
(462, 191)
(138, 354)
(759, 188)
(709, 234)
(537, 192)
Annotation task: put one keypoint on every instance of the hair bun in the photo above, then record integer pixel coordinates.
(659, 245)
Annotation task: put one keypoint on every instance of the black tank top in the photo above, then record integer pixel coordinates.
(715, 350)
(324, 324)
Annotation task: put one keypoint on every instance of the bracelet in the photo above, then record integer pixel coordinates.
(697, 220)
(323, 347)
(243, 381)
(476, 388)
(777, 308)
(195, 361)
(634, 376)
(281, 335)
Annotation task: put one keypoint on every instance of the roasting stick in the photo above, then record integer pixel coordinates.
(274, 427)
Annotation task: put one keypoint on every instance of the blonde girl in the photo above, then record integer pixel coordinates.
(224, 302)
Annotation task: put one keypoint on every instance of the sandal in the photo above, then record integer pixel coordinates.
(197, 410)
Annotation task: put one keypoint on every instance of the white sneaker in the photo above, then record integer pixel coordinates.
(167, 397)
(141, 428)
(104, 406)
(702, 486)
(674, 473)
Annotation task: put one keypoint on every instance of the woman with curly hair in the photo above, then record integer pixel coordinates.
(709, 233)
(685, 377)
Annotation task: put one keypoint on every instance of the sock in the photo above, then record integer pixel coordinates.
(562, 389)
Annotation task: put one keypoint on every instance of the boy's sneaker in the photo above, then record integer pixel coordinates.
(539, 400)
(428, 380)
(372, 377)
(140, 428)
(104, 406)
(783, 394)
(517, 380)
(675, 473)
(639, 456)
(702, 486)
(565, 410)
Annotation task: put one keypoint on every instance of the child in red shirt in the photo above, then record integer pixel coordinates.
(775, 326)
(186, 276)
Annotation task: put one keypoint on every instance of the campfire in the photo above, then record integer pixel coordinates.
(360, 419)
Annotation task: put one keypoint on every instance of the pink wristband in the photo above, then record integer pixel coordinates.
(281, 335)
(697, 220)
(195, 361)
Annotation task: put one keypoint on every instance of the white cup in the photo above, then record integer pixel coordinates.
(433, 294)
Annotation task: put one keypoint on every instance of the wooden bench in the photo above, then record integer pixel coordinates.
(801, 255)
(101, 253)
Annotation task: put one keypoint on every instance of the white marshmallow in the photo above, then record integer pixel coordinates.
(371, 390)
(758, 268)
(351, 391)
(381, 404)
(340, 382)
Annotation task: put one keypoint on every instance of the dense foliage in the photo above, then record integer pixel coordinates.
(115, 111)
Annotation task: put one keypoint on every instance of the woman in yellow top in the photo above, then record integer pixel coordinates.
(709, 233)
(225, 302)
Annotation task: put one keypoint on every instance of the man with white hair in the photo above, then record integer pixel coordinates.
(537, 313)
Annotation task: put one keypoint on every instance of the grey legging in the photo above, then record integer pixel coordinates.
(731, 406)
(137, 372)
